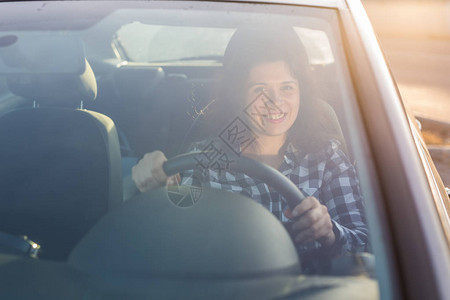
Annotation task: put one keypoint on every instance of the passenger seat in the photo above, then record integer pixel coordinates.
(61, 167)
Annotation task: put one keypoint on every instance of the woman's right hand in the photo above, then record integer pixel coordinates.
(149, 174)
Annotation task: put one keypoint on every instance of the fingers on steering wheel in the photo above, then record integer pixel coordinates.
(174, 180)
(148, 173)
(307, 204)
(315, 231)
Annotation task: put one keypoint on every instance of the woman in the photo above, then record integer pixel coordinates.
(265, 82)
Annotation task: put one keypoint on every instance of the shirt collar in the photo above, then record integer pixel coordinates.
(292, 157)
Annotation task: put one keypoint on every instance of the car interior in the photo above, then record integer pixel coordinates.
(143, 125)
(82, 126)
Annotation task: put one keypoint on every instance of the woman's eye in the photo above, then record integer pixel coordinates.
(259, 89)
(288, 88)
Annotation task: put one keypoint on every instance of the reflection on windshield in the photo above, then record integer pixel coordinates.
(149, 43)
(227, 87)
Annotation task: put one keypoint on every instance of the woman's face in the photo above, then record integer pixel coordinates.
(273, 98)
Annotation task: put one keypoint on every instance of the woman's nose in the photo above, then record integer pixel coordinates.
(275, 96)
(273, 102)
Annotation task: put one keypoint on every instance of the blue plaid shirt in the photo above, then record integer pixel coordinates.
(326, 175)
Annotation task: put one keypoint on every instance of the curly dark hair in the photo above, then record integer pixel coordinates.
(249, 47)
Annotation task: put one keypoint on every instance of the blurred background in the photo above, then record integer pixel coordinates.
(415, 36)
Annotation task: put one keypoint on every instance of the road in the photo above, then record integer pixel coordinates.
(421, 68)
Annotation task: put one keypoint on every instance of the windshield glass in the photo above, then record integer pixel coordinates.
(157, 43)
(226, 82)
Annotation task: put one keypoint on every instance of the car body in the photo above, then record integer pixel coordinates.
(156, 64)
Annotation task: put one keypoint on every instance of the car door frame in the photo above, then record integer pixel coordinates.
(408, 196)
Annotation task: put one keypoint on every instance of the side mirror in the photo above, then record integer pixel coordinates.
(436, 135)
(419, 124)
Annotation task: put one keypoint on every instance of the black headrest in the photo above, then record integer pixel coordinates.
(60, 173)
(64, 89)
(137, 83)
(223, 235)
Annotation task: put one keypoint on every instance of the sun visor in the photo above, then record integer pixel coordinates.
(46, 53)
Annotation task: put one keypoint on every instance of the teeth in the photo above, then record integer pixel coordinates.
(275, 116)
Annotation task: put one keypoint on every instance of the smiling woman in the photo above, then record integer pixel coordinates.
(273, 100)
(266, 85)
(282, 48)
(262, 83)
(271, 120)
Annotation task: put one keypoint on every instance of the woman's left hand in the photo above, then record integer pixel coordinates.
(312, 222)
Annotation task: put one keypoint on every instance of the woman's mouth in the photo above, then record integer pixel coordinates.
(275, 118)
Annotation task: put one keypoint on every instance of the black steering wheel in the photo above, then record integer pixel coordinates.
(251, 167)
(312, 262)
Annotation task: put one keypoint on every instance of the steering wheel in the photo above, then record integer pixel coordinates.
(224, 234)
(242, 164)
(313, 262)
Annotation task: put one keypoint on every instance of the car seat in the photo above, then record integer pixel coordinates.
(61, 169)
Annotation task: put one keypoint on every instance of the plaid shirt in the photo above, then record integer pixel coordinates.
(327, 175)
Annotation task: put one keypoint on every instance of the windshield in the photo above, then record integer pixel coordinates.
(158, 43)
(224, 82)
